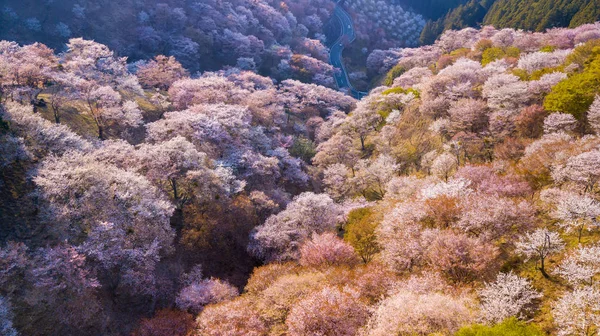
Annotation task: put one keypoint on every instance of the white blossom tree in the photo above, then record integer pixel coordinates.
(580, 267)
(539, 244)
(559, 122)
(576, 211)
(510, 295)
(444, 165)
(593, 115)
(578, 312)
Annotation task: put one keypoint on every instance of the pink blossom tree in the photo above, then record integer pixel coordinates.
(410, 313)
(491, 217)
(582, 169)
(281, 236)
(327, 250)
(459, 257)
(468, 115)
(328, 312)
(199, 293)
(444, 165)
(161, 72)
(232, 318)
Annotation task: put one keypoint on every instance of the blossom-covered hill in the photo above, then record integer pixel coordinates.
(461, 199)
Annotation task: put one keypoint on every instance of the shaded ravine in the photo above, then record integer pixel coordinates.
(346, 36)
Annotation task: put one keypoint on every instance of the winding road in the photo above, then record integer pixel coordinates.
(346, 36)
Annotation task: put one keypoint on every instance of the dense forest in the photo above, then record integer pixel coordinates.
(519, 14)
(142, 198)
(279, 39)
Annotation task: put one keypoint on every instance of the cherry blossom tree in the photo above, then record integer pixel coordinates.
(399, 235)
(161, 72)
(26, 70)
(61, 92)
(559, 122)
(577, 312)
(455, 187)
(444, 165)
(12, 149)
(62, 283)
(178, 168)
(231, 318)
(200, 293)
(338, 149)
(468, 115)
(539, 88)
(337, 179)
(96, 65)
(583, 169)
(486, 180)
(327, 250)
(208, 89)
(593, 115)
(575, 211)
(6, 325)
(539, 244)
(281, 236)
(505, 91)
(328, 312)
(491, 217)
(540, 60)
(363, 121)
(40, 135)
(82, 192)
(410, 313)
(127, 263)
(459, 257)
(104, 105)
(373, 176)
(510, 295)
(581, 265)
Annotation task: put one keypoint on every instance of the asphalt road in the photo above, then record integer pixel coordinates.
(347, 36)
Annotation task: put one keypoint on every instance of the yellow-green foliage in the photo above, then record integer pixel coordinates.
(548, 48)
(537, 74)
(360, 233)
(395, 72)
(74, 114)
(575, 94)
(583, 53)
(400, 90)
(495, 53)
(510, 327)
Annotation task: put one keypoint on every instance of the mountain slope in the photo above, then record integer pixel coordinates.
(542, 14)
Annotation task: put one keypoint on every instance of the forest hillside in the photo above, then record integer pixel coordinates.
(140, 197)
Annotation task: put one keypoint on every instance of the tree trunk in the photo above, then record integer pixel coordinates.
(580, 233)
(100, 133)
(177, 218)
(56, 115)
(543, 269)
